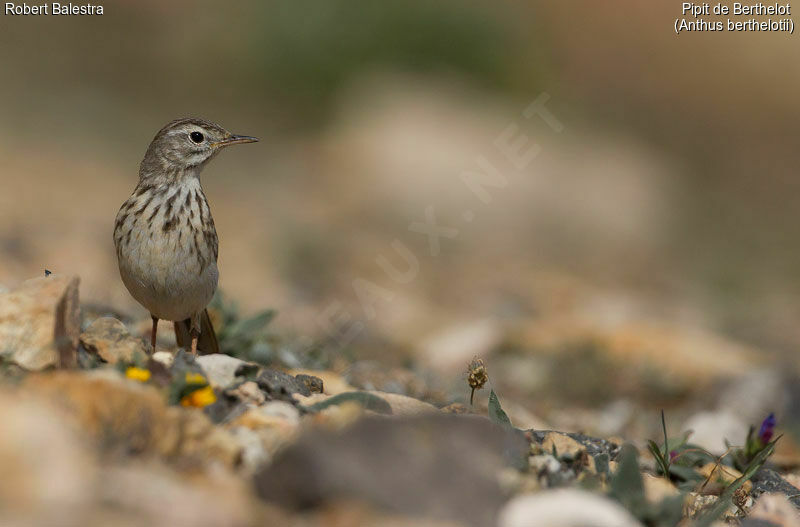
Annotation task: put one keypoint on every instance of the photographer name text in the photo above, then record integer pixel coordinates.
(51, 9)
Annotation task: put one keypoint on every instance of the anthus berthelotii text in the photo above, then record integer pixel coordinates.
(165, 236)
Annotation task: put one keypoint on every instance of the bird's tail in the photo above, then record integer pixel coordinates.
(206, 343)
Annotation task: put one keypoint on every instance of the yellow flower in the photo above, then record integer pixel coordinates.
(137, 374)
(195, 378)
(200, 398)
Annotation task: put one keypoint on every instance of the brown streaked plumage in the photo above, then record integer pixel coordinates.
(164, 234)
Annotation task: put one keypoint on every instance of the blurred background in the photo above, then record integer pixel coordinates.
(647, 255)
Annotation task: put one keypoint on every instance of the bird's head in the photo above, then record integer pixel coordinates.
(186, 145)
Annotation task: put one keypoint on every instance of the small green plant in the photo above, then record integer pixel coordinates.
(365, 399)
(755, 443)
(663, 458)
(627, 487)
(726, 498)
(496, 412)
(244, 338)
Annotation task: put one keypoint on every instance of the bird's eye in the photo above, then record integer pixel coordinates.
(196, 137)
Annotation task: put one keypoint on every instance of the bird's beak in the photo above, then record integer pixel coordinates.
(235, 140)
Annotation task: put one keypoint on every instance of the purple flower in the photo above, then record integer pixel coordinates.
(767, 429)
(672, 455)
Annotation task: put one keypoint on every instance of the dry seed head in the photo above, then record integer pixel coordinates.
(477, 374)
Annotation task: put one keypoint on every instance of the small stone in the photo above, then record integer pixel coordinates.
(773, 510)
(280, 385)
(110, 340)
(403, 405)
(565, 508)
(253, 452)
(594, 446)
(457, 408)
(40, 323)
(273, 413)
(314, 384)
(544, 464)
(281, 410)
(164, 357)
(694, 503)
(220, 369)
(247, 392)
(657, 489)
(719, 477)
(565, 447)
(768, 481)
(332, 383)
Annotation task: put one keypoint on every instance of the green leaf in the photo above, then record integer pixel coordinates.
(496, 413)
(601, 462)
(684, 473)
(367, 400)
(253, 325)
(724, 500)
(663, 464)
(626, 483)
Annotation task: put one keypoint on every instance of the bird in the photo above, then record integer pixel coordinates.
(164, 233)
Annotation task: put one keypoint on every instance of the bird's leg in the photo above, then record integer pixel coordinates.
(195, 336)
(153, 333)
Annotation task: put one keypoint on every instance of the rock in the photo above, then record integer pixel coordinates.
(129, 418)
(200, 442)
(254, 455)
(719, 477)
(314, 384)
(40, 323)
(332, 383)
(221, 370)
(564, 446)
(280, 385)
(48, 471)
(453, 348)
(442, 466)
(768, 481)
(711, 429)
(281, 410)
(457, 408)
(127, 415)
(110, 340)
(248, 393)
(594, 446)
(772, 510)
(544, 464)
(657, 489)
(164, 357)
(565, 508)
(405, 406)
(271, 414)
(141, 494)
(335, 416)
(276, 424)
(695, 503)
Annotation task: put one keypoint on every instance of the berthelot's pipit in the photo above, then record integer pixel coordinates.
(165, 236)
